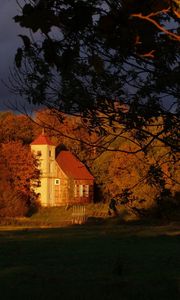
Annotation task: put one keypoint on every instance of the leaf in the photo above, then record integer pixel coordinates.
(82, 15)
(18, 57)
(26, 41)
(97, 63)
(27, 9)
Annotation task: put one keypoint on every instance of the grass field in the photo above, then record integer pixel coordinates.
(90, 262)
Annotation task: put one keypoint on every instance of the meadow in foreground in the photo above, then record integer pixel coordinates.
(90, 262)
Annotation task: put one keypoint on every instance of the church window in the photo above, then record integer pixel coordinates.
(57, 182)
(86, 190)
(81, 190)
(75, 190)
(39, 153)
(38, 183)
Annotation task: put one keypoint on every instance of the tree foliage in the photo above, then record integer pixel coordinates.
(16, 128)
(18, 170)
(141, 182)
(69, 131)
(93, 57)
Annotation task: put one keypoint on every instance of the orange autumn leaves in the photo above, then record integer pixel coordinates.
(18, 169)
(145, 175)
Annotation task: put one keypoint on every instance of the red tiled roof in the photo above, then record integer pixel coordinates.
(72, 167)
(42, 139)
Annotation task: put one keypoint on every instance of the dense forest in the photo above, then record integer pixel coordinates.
(145, 182)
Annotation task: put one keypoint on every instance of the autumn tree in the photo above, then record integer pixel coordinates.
(95, 56)
(16, 128)
(143, 182)
(18, 172)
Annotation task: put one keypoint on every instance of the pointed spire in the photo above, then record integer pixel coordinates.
(42, 139)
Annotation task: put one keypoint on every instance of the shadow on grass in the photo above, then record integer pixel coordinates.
(90, 262)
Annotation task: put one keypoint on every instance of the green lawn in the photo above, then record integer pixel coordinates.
(90, 262)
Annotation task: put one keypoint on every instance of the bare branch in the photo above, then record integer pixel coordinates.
(155, 23)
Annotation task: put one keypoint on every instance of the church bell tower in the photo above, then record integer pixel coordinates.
(44, 150)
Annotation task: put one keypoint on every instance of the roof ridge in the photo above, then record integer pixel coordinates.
(42, 139)
(72, 166)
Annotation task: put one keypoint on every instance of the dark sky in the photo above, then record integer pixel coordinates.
(9, 42)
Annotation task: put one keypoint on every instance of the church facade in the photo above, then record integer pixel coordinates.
(64, 179)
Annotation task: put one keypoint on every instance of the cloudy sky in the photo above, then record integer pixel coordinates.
(9, 42)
